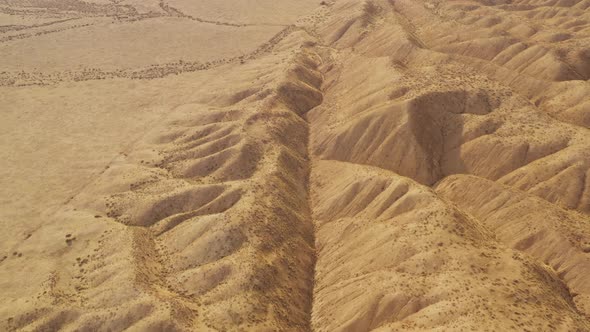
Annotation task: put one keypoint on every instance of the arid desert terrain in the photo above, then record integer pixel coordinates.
(295, 165)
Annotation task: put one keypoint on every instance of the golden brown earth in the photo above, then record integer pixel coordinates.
(276, 165)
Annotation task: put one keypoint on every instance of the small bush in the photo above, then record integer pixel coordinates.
(370, 11)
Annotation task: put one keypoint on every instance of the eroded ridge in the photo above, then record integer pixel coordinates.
(405, 96)
(394, 103)
(393, 256)
(213, 215)
(406, 165)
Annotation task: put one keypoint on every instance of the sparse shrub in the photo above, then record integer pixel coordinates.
(370, 11)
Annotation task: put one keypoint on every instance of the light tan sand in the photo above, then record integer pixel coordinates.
(387, 165)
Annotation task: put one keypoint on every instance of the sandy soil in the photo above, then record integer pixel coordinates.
(259, 165)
